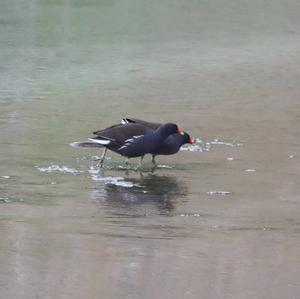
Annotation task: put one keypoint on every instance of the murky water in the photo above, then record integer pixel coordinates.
(218, 220)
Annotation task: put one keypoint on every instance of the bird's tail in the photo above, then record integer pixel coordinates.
(86, 144)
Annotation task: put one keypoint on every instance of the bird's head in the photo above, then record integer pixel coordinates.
(186, 138)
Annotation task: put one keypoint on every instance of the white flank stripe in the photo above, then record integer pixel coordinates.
(101, 141)
(128, 140)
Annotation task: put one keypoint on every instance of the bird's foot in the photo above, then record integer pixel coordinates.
(101, 159)
(99, 163)
(154, 162)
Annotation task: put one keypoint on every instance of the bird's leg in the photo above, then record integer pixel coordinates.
(153, 161)
(101, 159)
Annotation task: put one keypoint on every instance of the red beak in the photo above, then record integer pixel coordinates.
(191, 141)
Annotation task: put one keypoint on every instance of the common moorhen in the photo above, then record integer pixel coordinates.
(133, 139)
(170, 146)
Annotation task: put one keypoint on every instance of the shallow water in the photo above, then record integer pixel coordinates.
(218, 220)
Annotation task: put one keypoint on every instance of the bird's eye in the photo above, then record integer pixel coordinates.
(181, 133)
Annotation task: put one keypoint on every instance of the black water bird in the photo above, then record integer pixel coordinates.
(135, 138)
(171, 144)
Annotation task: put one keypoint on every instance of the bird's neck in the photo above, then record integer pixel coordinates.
(160, 134)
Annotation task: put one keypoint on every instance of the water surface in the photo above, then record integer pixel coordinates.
(218, 223)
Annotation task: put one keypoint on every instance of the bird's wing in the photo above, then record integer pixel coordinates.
(128, 120)
(120, 133)
(111, 127)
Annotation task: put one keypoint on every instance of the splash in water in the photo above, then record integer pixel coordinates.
(219, 193)
(198, 146)
(58, 168)
(117, 181)
(218, 141)
(201, 146)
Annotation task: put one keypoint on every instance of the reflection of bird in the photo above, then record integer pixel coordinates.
(134, 138)
(148, 190)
